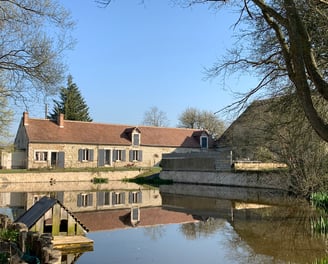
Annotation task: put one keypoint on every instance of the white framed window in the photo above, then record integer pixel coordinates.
(118, 198)
(204, 142)
(135, 155)
(135, 139)
(84, 199)
(41, 155)
(118, 155)
(85, 154)
(135, 197)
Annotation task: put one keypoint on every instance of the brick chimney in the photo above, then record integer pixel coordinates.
(25, 118)
(60, 120)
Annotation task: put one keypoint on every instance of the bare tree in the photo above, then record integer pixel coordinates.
(34, 35)
(155, 117)
(195, 118)
(6, 117)
(288, 44)
(285, 48)
(189, 118)
(276, 130)
(204, 228)
(290, 137)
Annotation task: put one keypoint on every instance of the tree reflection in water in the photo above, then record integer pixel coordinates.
(154, 232)
(205, 228)
(283, 232)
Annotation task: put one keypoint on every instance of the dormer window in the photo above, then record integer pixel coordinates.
(204, 142)
(135, 139)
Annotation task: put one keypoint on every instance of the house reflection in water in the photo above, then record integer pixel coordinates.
(108, 206)
(266, 220)
(119, 219)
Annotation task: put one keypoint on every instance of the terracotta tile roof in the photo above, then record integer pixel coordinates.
(118, 219)
(77, 132)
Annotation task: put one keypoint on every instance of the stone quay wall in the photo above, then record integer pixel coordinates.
(56, 177)
(240, 179)
(216, 168)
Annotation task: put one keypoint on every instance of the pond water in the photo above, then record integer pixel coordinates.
(264, 227)
(183, 223)
(172, 243)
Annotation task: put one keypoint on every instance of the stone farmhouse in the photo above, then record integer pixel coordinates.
(45, 143)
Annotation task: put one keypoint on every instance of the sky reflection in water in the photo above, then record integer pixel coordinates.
(169, 244)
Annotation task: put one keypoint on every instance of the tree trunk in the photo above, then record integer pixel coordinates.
(299, 51)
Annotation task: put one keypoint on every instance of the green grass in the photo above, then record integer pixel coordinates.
(320, 224)
(99, 180)
(150, 177)
(321, 261)
(149, 172)
(156, 181)
(7, 235)
(320, 200)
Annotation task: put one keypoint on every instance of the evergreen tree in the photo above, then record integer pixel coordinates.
(34, 36)
(71, 104)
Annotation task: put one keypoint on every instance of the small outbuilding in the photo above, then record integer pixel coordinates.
(48, 215)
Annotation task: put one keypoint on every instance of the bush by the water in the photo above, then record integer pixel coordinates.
(320, 200)
(8, 235)
(319, 225)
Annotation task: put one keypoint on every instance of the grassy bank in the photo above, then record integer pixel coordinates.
(150, 177)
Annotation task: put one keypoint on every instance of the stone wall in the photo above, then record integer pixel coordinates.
(58, 186)
(55, 177)
(274, 180)
(246, 195)
(215, 168)
(189, 164)
(218, 160)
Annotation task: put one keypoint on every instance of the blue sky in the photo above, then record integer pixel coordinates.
(132, 56)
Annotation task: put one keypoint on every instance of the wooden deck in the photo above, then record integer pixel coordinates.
(72, 243)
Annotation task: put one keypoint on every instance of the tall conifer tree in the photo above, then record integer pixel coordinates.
(71, 104)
